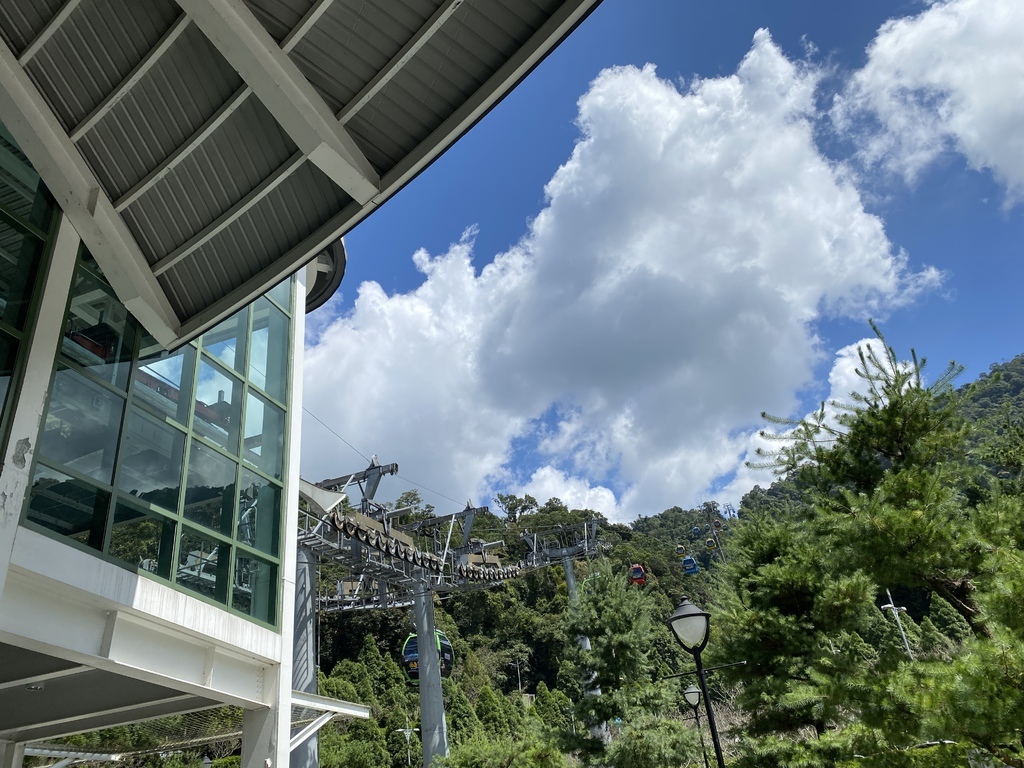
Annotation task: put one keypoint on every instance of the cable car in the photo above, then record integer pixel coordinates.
(690, 566)
(680, 550)
(637, 575)
(712, 544)
(695, 530)
(718, 525)
(411, 656)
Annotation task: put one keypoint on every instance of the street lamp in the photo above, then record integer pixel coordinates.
(689, 624)
(692, 696)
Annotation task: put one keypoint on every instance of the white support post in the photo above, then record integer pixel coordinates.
(28, 404)
(12, 754)
(259, 738)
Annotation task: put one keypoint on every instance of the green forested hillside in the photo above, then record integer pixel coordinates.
(916, 496)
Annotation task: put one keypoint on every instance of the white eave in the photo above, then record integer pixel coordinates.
(205, 151)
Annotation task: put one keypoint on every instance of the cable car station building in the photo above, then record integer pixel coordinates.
(167, 168)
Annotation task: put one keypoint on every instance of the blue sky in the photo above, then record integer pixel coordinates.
(683, 217)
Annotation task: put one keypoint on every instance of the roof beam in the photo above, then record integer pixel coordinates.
(140, 70)
(81, 197)
(400, 59)
(47, 32)
(291, 99)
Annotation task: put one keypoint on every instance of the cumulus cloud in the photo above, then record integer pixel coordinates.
(948, 79)
(619, 355)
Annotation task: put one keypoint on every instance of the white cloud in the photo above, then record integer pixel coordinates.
(950, 78)
(664, 296)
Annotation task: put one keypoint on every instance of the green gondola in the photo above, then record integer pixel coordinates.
(411, 656)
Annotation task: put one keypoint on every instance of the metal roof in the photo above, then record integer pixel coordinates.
(206, 150)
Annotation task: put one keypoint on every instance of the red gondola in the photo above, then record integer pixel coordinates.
(637, 575)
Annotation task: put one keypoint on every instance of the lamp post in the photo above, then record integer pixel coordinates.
(689, 624)
(692, 696)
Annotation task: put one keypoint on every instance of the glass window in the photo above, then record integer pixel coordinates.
(282, 294)
(68, 506)
(82, 425)
(8, 357)
(259, 513)
(255, 588)
(20, 254)
(226, 342)
(268, 356)
(264, 435)
(25, 194)
(210, 489)
(163, 380)
(202, 565)
(218, 406)
(152, 455)
(99, 334)
(142, 539)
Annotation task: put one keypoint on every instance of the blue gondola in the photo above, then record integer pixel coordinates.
(690, 566)
(411, 656)
(637, 575)
(695, 530)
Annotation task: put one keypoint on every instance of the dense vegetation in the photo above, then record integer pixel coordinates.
(915, 491)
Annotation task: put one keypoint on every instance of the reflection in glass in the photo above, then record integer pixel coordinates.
(142, 539)
(20, 254)
(8, 356)
(218, 407)
(152, 455)
(282, 294)
(99, 333)
(22, 189)
(226, 342)
(161, 377)
(82, 424)
(202, 565)
(255, 588)
(259, 513)
(264, 435)
(268, 356)
(68, 506)
(210, 489)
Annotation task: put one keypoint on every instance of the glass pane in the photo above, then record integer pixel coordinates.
(255, 588)
(22, 189)
(152, 455)
(20, 255)
(202, 566)
(259, 513)
(69, 506)
(282, 294)
(82, 424)
(142, 539)
(218, 407)
(210, 494)
(264, 435)
(99, 333)
(163, 380)
(8, 356)
(226, 342)
(268, 358)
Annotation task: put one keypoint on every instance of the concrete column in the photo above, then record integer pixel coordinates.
(433, 729)
(29, 402)
(259, 737)
(11, 754)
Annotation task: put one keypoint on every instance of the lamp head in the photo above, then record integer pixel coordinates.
(692, 696)
(689, 624)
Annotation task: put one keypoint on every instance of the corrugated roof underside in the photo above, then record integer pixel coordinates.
(22, 22)
(95, 50)
(292, 211)
(247, 148)
(173, 100)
